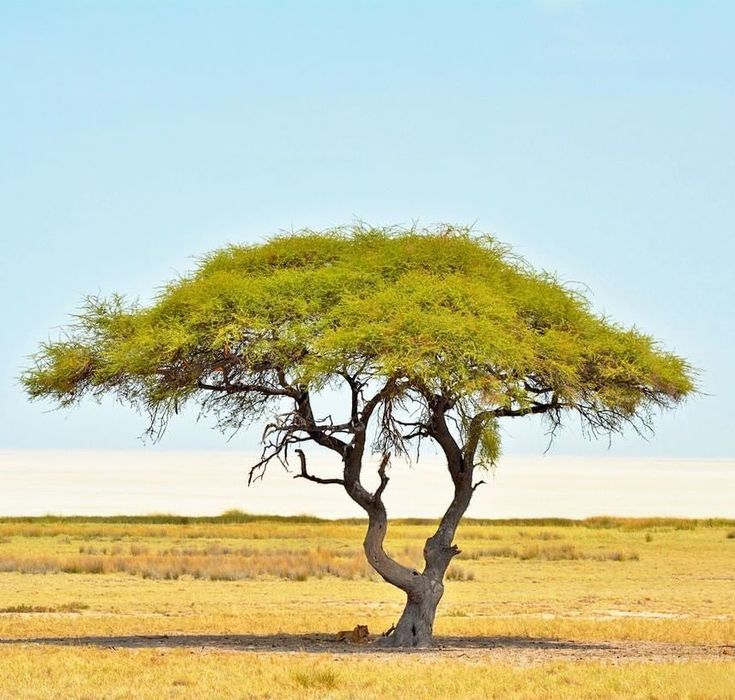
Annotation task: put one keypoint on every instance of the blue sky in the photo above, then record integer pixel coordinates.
(595, 137)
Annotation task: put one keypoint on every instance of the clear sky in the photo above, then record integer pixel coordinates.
(596, 138)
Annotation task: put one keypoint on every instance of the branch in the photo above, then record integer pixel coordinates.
(310, 477)
(244, 388)
(383, 478)
(536, 389)
(474, 432)
(317, 434)
(536, 408)
(282, 379)
(420, 429)
(439, 430)
(355, 388)
(372, 403)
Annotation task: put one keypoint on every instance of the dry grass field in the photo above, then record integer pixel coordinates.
(240, 607)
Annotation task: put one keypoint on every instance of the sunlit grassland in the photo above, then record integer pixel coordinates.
(604, 579)
(50, 673)
(645, 579)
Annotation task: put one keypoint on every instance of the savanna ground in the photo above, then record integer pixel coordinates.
(240, 607)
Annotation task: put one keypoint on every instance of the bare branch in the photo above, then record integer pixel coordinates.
(439, 430)
(355, 389)
(310, 477)
(372, 403)
(383, 477)
(317, 434)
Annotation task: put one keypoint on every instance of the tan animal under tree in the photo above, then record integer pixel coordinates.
(359, 635)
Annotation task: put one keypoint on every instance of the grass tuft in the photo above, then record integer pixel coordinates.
(543, 535)
(458, 573)
(317, 678)
(64, 608)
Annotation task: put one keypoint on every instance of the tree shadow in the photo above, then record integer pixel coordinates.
(310, 643)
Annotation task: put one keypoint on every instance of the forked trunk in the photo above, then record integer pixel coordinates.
(424, 589)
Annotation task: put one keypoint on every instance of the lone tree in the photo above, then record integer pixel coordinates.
(431, 335)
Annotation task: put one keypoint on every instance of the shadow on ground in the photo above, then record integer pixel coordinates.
(506, 649)
(318, 643)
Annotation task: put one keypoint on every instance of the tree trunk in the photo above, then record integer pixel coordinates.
(415, 627)
(424, 589)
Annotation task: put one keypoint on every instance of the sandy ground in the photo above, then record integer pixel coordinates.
(518, 651)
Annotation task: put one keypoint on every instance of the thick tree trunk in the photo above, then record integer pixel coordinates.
(415, 627)
(416, 624)
(423, 589)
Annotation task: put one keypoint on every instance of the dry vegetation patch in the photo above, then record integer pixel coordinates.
(63, 608)
(215, 562)
(544, 606)
(229, 550)
(558, 552)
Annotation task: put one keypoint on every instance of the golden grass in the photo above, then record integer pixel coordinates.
(214, 562)
(74, 606)
(50, 673)
(659, 580)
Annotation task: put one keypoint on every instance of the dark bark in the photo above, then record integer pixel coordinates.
(424, 590)
(389, 569)
(415, 628)
(416, 624)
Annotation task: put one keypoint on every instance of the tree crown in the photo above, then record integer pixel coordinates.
(421, 313)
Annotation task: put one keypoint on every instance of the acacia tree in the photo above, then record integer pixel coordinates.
(433, 335)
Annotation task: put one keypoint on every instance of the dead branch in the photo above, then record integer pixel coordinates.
(304, 474)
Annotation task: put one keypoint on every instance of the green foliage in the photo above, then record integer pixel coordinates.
(436, 311)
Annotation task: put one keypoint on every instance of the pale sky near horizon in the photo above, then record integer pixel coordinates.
(594, 137)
